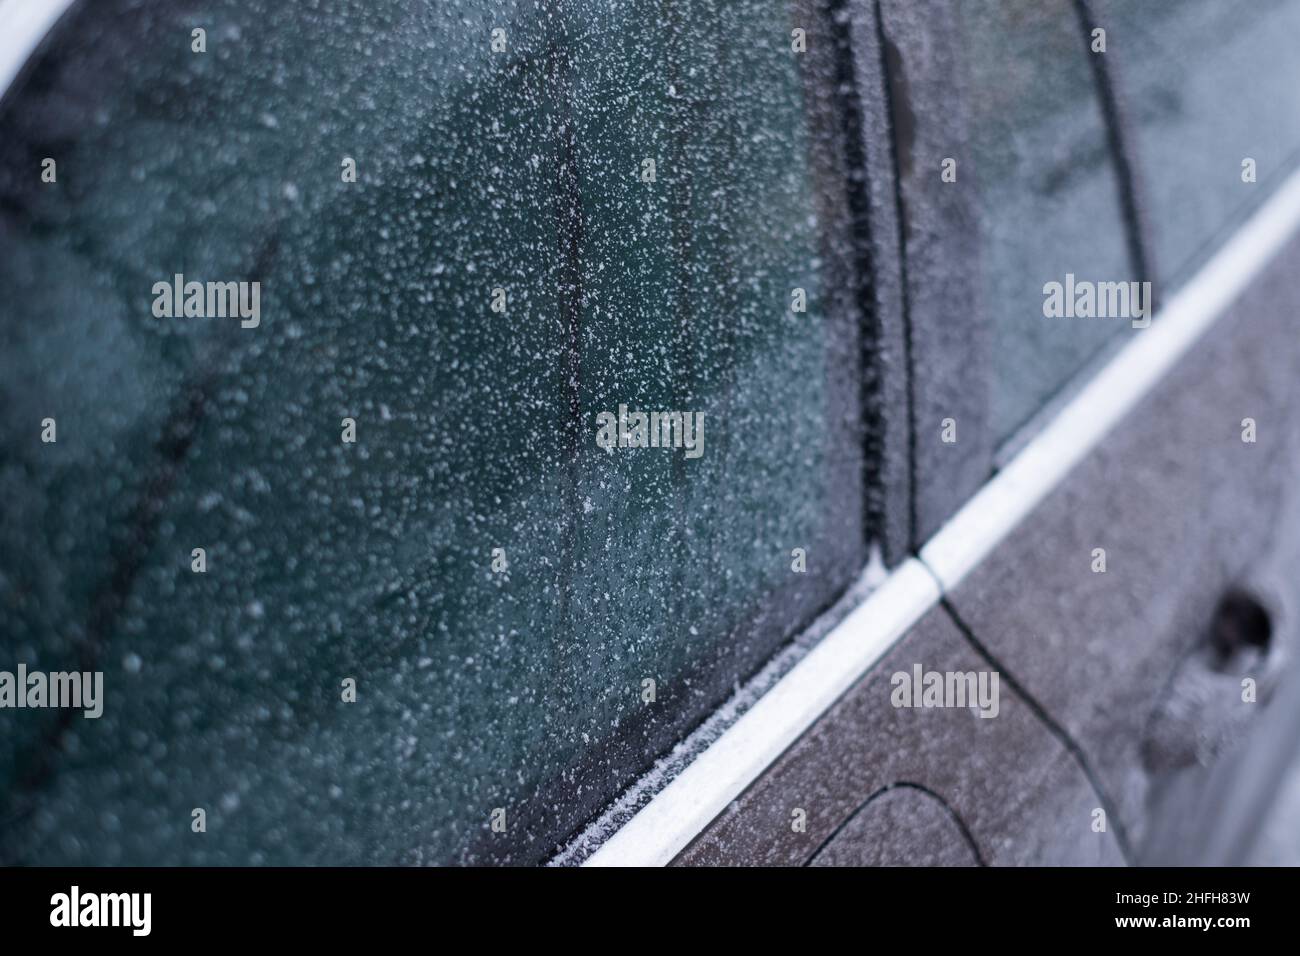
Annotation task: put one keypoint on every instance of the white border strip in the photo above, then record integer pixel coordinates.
(678, 813)
(984, 521)
(23, 24)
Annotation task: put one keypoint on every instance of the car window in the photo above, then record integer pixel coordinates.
(1213, 93)
(1049, 204)
(468, 247)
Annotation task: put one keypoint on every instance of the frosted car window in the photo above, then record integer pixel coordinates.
(501, 588)
(1049, 204)
(1210, 85)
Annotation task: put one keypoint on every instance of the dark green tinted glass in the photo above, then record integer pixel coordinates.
(520, 686)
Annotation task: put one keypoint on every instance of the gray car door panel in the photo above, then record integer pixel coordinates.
(1185, 510)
